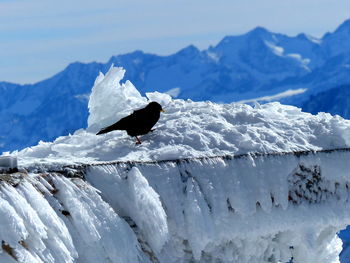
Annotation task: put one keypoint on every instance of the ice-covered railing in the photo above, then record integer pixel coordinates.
(247, 208)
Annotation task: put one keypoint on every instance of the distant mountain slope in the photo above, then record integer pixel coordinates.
(336, 101)
(256, 64)
(47, 109)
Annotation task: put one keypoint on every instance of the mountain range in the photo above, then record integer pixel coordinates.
(257, 64)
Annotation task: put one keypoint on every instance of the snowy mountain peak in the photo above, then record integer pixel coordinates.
(343, 28)
(303, 36)
(259, 32)
(132, 56)
(256, 34)
(341, 33)
(190, 50)
(136, 53)
(335, 43)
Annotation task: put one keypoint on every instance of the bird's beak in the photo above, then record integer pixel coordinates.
(162, 110)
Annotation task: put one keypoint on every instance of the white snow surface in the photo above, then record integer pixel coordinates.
(277, 96)
(110, 100)
(246, 209)
(215, 210)
(232, 211)
(34, 225)
(187, 129)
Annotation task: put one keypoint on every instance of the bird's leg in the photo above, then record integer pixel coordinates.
(137, 140)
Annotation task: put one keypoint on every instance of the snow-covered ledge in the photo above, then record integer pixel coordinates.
(246, 208)
(276, 190)
(250, 209)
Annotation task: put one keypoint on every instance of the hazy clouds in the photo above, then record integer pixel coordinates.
(40, 37)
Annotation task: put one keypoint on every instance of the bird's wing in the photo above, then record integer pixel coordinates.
(138, 112)
(122, 124)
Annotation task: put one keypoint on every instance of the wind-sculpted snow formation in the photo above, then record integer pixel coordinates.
(212, 183)
(49, 218)
(232, 211)
(244, 209)
(188, 129)
(259, 65)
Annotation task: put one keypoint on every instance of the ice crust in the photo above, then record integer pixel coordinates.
(230, 211)
(210, 210)
(250, 208)
(60, 220)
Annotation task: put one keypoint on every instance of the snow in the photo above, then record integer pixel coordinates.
(243, 68)
(197, 211)
(213, 56)
(192, 129)
(187, 129)
(39, 231)
(35, 231)
(110, 100)
(231, 205)
(136, 199)
(162, 98)
(98, 229)
(314, 39)
(279, 51)
(174, 93)
(284, 94)
(230, 211)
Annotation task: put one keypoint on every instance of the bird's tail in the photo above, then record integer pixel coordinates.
(108, 129)
(102, 131)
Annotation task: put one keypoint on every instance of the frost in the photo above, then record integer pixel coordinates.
(162, 98)
(230, 211)
(174, 93)
(63, 222)
(110, 100)
(195, 129)
(146, 201)
(134, 198)
(240, 194)
(188, 129)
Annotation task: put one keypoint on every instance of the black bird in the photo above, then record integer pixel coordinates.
(139, 122)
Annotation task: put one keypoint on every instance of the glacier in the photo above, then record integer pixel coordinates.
(213, 183)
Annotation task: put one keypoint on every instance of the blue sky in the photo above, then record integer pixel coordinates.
(39, 38)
